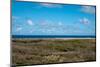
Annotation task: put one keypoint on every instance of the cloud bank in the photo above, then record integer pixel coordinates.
(84, 20)
(88, 9)
(30, 22)
(49, 5)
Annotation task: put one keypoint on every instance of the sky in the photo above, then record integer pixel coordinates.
(34, 18)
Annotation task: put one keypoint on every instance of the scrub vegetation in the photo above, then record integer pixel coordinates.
(47, 51)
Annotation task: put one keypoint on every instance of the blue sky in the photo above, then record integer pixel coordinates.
(29, 18)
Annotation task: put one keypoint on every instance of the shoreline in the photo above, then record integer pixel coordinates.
(51, 38)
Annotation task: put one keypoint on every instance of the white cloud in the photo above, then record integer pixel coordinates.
(51, 5)
(46, 4)
(31, 31)
(45, 23)
(30, 22)
(88, 9)
(18, 29)
(84, 21)
(60, 23)
(15, 18)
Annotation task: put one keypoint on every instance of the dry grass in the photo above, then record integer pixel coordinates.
(38, 51)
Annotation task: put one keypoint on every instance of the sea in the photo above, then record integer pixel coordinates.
(53, 36)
